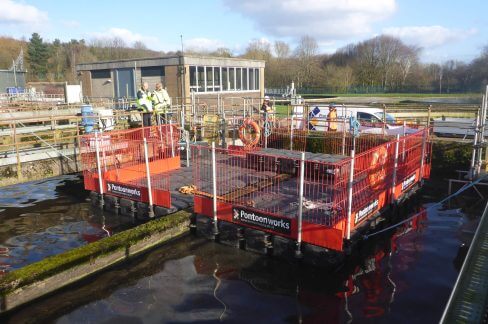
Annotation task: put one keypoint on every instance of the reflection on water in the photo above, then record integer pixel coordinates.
(30, 193)
(47, 217)
(403, 276)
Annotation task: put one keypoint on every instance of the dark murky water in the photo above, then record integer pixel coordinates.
(402, 276)
(47, 217)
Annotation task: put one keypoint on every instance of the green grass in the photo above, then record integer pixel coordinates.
(393, 95)
(282, 110)
(58, 263)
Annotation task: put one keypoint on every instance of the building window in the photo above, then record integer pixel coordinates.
(232, 79)
(251, 79)
(210, 79)
(238, 79)
(225, 79)
(193, 78)
(244, 79)
(215, 79)
(201, 79)
(216, 74)
(256, 81)
(101, 74)
(152, 71)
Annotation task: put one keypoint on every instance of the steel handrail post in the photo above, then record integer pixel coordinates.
(298, 252)
(99, 169)
(395, 168)
(148, 177)
(214, 191)
(349, 195)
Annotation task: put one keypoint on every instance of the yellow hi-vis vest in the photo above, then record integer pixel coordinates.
(161, 101)
(144, 100)
(332, 117)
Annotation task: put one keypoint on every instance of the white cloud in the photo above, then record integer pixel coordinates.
(13, 12)
(428, 36)
(324, 19)
(202, 44)
(70, 23)
(128, 37)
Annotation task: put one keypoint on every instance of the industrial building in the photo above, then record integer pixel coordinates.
(181, 75)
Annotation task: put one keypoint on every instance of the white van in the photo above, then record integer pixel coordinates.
(317, 117)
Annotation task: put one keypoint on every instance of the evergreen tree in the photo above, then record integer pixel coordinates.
(38, 56)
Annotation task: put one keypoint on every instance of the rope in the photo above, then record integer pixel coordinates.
(215, 292)
(461, 190)
(188, 190)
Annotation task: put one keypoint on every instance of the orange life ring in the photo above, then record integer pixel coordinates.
(378, 172)
(250, 139)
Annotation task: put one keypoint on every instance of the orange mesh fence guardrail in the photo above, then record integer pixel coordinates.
(123, 161)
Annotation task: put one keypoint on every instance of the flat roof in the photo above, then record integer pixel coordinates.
(171, 60)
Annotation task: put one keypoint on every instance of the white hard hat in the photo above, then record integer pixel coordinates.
(266, 98)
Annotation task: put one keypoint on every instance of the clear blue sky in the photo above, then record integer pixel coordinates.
(444, 29)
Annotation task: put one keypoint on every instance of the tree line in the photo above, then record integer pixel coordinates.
(379, 64)
(56, 60)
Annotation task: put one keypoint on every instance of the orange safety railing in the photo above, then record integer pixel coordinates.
(124, 164)
(266, 179)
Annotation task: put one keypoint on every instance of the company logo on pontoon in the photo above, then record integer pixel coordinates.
(366, 211)
(122, 190)
(408, 182)
(281, 225)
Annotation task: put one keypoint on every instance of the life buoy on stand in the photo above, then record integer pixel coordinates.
(249, 133)
(378, 171)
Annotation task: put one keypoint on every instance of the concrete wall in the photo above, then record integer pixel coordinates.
(7, 79)
(103, 88)
(173, 82)
(86, 84)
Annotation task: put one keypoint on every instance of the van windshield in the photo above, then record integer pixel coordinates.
(389, 118)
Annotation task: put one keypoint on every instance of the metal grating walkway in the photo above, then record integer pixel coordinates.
(469, 299)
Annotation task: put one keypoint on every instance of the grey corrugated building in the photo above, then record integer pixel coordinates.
(182, 75)
(11, 79)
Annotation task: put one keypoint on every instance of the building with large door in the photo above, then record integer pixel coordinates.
(183, 76)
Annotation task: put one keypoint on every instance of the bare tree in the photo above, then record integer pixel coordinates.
(308, 63)
(282, 49)
(258, 50)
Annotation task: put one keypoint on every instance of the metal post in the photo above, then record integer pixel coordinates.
(403, 141)
(99, 169)
(422, 158)
(428, 115)
(148, 176)
(481, 139)
(395, 168)
(291, 133)
(265, 130)
(343, 133)
(15, 75)
(349, 196)
(298, 252)
(17, 154)
(475, 144)
(214, 190)
(187, 140)
(171, 138)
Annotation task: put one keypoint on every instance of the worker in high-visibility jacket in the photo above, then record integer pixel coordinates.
(144, 103)
(332, 118)
(161, 103)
